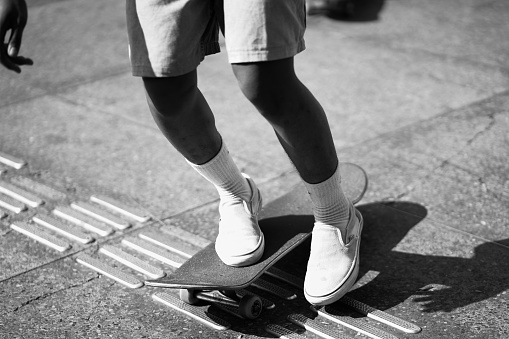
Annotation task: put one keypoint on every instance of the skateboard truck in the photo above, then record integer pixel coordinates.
(248, 306)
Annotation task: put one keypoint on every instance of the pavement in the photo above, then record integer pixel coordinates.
(418, 95)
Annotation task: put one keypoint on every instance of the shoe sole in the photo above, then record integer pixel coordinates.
(347, 285)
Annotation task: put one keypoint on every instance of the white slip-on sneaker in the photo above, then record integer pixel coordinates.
(240, 241)
(333, 264)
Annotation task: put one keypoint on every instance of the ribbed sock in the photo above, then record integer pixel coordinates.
(330, 205)
(222, 172)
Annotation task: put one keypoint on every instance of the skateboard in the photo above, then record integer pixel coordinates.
(284, 225)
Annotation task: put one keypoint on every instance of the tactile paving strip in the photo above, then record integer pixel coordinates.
(60, 227)
(317, 327)
(132, 262)
(154, 252)
(100, 215)
(11, 205)
(109, 271)
(282, 332)
(381, 316)
(20, 194)
(284, 276)
(121, 208)
(171, 243)
(229, 309)
(37, 187)
(84, 221)
(189, 237)
(90, 214)
(354, 324)
(37, 234)
(11, 161)
(191, 311)
(274, 289)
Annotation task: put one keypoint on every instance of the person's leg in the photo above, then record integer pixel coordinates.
(184, 117)
(167, 42)
(302, 128)
(296, 116)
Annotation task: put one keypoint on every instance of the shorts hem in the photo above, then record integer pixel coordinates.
(243, 56)
(160, 71)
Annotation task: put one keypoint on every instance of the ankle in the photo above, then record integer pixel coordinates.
(330, 205)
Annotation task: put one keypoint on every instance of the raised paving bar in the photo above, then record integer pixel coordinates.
(317, 327)
(169, 242)
(191, 311)
(109, 271)
(132, 262)
(84, 221)
(11, 161)
(380, 316)
(154, 251)
(286, 277)
(39, 235)
(353, 324)
(20, 194)
(187, 236)
(37, 187)
(100, 215)
(274, 289)
(62, 228)
(11, 205)
(229, 309)
(282, 332)
(119, 207)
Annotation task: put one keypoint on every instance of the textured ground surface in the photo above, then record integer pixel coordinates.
(418, 97)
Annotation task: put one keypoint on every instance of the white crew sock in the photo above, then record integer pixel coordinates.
(330, 205)
(226, 177)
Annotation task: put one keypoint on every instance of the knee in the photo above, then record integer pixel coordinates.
(266, 84)
(251, 83)
(171, 96)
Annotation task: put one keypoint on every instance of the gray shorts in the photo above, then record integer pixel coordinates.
(172, 37)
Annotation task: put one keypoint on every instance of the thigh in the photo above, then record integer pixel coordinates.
(170, 37)
(264, 30)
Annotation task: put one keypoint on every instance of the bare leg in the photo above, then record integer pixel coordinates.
(183, 116)
(302, 128)
(296, 116)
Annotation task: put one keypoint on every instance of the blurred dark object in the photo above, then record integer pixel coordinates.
(346, 10)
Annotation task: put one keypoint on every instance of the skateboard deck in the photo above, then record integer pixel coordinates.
(284, 224)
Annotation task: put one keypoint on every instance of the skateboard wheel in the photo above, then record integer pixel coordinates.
(250, 307)
(188, 296)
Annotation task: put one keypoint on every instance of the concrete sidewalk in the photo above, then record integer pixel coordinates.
(419, 98)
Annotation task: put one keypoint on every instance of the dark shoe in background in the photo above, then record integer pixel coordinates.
(346, 10)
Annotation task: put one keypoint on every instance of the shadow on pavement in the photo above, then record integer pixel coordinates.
(436, 283)
(389, 277)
